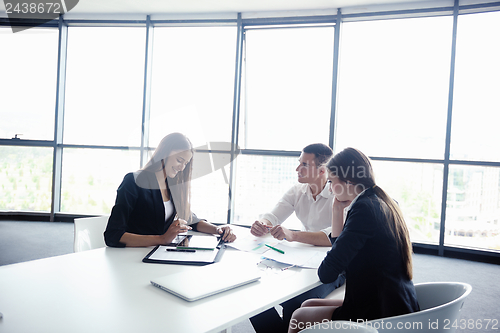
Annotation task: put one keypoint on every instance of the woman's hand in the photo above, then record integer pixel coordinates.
(340, 205)
(338, 216)
(177, 227)
(227, 234)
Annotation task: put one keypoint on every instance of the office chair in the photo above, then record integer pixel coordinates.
(440, 306)
(89, 233)
(340, 326)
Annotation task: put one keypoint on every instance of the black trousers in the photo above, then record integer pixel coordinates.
(270, 321)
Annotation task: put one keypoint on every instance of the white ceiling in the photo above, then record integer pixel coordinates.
(150, 7)
(220, 9)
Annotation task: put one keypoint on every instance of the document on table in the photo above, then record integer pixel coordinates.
(297, 256)
(251, 243)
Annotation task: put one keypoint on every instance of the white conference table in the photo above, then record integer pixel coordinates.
(109, 290)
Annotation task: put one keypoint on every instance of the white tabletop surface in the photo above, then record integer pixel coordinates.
(109, 290)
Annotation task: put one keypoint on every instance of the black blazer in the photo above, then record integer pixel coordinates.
(376, 282)
(138, 209)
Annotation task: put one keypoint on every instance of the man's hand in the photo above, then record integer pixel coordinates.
(259, 228)
(281, 233)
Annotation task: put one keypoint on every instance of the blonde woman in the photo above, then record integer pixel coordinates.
(153, 204)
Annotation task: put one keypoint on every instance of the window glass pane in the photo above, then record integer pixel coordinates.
(104, 86)
(393, 87)
(417, 187)
(193, 83)
(90, 178)
(476, 102)
(287, 89)
(25, 178)
(28, 84)
(473, 207)
(209, 193)
(260, 182)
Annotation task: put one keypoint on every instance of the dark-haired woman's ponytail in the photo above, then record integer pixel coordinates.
(398, 228)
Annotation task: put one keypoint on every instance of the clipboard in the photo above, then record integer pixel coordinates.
(160, 255)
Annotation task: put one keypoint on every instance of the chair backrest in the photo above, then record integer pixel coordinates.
(340, 326)
(89, 233)
(440, 305)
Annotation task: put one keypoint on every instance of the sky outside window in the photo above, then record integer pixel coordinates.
(393, 87)
(287, 88)
(104, 86)
(476, 102)
(193, 83)
(28, 84)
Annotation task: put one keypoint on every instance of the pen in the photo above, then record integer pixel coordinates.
(275, 249)
(180, 250)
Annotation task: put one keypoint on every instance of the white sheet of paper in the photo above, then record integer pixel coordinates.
(315, 260)
(303, 257)
(251, 243)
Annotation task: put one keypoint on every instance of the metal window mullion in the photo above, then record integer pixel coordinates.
(236, 117)
(146, 105)
(335, 71)
(59, 120)
(448, 131)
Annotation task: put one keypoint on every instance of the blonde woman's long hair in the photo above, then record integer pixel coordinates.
(180, 186)
(353, 166)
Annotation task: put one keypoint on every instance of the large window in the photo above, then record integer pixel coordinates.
(210, 186)
(473, 198)
(476, 105)
(25, 178)
(192, 93)
(393, 101)
(104, 101)
(27, 104)
(417, 188)
(473, 207)
(287, 87)
(193, 83)
(393, 87)
(261, 182)
(104, 86)
(387, 89)
(90, 178)
(28, 84)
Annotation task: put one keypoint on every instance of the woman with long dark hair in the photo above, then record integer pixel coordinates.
(373, 248)
(153, 204)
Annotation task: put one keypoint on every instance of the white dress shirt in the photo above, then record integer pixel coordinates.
(315, 215)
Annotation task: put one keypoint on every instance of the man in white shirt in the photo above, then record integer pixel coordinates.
(312, 203)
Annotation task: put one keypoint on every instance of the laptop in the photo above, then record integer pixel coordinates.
(194, 284)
